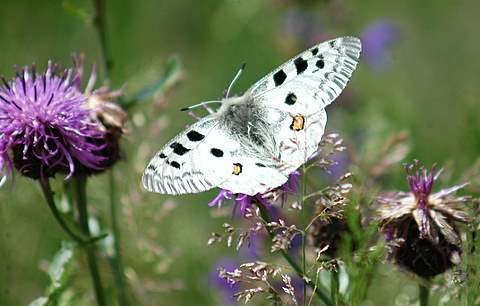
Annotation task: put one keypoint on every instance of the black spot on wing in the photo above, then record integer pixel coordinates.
(291, 99)
(194, 136)
(320, 64)
(314, 51)
(300, 64)
(332, 43)
(178, 148)
(260, 165)
(151, 168)
(174, 164)
(161, 155)
(216, 152)
(279, 77)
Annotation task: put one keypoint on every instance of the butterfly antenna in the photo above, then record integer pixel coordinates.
(235, 79)
(199, 104)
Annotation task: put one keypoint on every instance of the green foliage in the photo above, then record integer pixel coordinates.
(59, 273)
(169, 77)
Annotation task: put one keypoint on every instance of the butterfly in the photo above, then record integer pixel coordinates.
(254, 141)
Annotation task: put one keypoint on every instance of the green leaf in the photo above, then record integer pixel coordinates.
(41, 301)
(170, 76)
(60, 264)
(76, 11)
(58, 271)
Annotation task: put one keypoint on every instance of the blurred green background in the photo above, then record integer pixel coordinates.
(422, 80)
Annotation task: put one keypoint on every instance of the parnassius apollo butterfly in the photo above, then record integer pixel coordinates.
(254, 141)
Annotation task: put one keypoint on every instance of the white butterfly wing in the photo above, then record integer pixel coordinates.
(325, 68)
(257, 176)
(299, 90)
(205, 156)
(290, 119)
(191, 162)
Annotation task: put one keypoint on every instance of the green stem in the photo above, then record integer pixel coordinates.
(291, 262)
(100, 23)
(334, 286)
(80, 184)
(117, 261)
(48, 194)
(424, 291)
(304, 234)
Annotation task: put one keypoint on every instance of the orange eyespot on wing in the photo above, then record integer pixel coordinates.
(298, 123)
(237, 169)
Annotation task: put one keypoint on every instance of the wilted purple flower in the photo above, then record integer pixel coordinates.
(419, 227)
(376, 39)
(110, 118)
(44, 121)
(243, 201)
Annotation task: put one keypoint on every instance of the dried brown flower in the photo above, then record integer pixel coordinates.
(419, 225)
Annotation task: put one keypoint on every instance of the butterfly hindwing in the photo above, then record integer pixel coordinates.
(253, 175)
(298, 137)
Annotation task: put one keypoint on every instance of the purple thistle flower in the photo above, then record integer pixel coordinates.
(226, 289)
(376, 38)
(222, 195)
(45, 123)
(243, 201)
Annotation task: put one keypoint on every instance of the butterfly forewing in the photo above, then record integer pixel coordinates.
(327, 67)
(297, 92)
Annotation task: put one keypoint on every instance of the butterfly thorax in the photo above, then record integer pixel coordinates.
(246, 120)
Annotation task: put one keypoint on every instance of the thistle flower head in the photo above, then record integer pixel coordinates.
(44, 122)
(243, 201)
(50, 126)
(419, 226)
